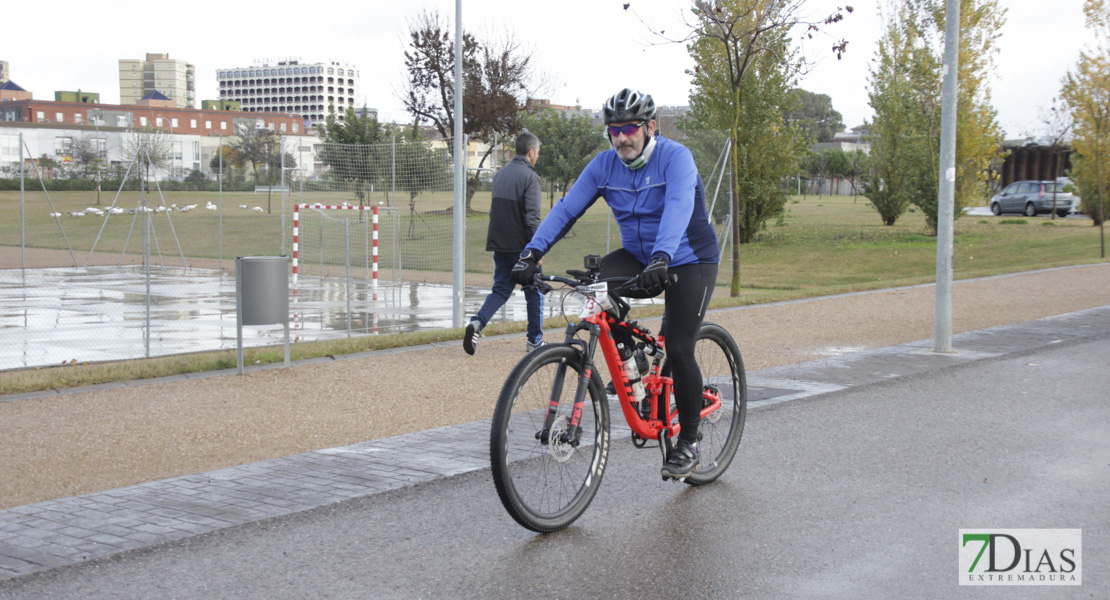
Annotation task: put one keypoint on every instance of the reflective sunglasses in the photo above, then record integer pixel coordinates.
(626, 129)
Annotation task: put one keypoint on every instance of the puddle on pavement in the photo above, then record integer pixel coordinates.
(53, 316)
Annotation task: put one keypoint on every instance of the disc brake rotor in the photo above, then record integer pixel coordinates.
(714, 416)
(560, 450)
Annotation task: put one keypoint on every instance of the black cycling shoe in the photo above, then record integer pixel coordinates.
(682, 461)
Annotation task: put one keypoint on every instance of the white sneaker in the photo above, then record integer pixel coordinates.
(529, 346)
(470, 338)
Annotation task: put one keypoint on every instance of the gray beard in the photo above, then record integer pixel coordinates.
(642, 159)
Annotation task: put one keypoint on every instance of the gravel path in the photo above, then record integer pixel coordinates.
(58, 446)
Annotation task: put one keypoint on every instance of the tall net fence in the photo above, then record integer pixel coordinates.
(410, 184)
(146, 268)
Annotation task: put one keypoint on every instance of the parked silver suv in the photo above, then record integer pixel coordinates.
(1034, 197)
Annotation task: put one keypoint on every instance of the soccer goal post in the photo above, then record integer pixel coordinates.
(341, 241)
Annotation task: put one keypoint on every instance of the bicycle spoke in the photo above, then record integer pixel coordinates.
(722, 372)
(545, 484)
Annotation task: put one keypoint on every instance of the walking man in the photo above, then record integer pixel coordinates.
(513, 218)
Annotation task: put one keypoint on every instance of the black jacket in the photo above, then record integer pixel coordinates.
(514, 214)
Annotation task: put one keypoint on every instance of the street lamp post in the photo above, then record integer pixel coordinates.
(220, 177)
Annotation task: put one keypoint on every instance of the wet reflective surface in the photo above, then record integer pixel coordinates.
(53, 316)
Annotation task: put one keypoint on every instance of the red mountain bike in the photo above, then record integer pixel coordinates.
(550, 436)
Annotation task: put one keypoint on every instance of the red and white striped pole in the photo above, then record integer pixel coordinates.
(296, 223)
(375, 251)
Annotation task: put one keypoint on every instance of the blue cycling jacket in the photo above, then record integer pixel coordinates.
(659, 207)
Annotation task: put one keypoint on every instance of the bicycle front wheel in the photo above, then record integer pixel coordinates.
(545, 473)
(722, 372)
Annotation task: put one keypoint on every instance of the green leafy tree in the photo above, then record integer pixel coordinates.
(261, 147)
(1086, 90)
(742, 83)
(908, 112)
(902, 94)
(254, 145)
(195, 180)
(569, 142)
(496, 77)
(824, 164)
(858, 164)
(814, 113)
(420, 168)
(229, 159)
(978, 136)
(357, 151)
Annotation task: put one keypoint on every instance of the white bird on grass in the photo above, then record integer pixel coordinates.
(55, 214)
(257, 209)
(242, 206)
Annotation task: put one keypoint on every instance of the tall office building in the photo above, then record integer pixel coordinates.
(174, 79)
(292, 87)
(4, 74)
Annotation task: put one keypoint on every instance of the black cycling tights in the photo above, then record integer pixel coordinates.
(684, 309)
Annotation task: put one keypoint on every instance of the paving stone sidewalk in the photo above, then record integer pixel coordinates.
(55, 533)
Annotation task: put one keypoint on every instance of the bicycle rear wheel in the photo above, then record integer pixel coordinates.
(722, 370)
(546, 482)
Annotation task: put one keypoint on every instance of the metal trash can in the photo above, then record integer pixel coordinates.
(262, 296)
(263, 286)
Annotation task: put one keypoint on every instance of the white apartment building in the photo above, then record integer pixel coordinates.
(292, 87)
(174, 79)
(187, 151)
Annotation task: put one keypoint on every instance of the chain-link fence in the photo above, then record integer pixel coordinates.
(146, 268)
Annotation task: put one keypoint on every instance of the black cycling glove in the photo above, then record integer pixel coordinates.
(654, 277)
(525, 270)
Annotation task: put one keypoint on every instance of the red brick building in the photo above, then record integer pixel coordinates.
(187, 121)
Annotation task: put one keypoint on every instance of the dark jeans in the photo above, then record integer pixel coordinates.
(503, 288)
(683, 311)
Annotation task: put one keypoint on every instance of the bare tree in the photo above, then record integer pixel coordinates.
(151, 147)
(496, 80)
(1055, 125)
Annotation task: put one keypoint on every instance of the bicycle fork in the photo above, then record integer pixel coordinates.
(573, 433)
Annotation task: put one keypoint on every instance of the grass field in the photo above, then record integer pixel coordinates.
(827, 243)
(820, 246)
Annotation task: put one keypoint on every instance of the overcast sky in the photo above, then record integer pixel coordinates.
(585, 49)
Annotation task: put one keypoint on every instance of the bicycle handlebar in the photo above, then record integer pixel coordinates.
(624, 284)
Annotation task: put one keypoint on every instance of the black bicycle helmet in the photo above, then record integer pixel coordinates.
(629, 105)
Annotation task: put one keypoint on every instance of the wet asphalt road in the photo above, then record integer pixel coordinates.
(854, 494)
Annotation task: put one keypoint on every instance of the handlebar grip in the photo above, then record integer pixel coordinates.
(539, 284)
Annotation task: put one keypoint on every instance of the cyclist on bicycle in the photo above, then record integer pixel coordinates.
(653, 188)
